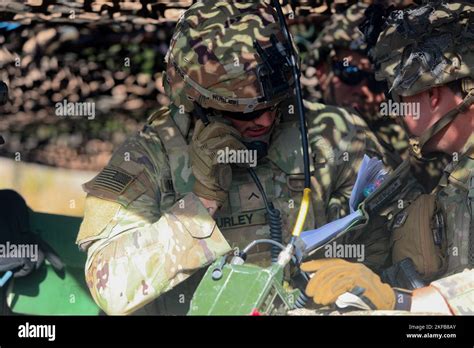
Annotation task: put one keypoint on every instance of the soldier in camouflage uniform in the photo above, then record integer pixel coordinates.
(164, 207)
(343, 75)
(427, 56)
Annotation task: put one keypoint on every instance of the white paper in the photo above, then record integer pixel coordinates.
(315, 239)
(370, 170)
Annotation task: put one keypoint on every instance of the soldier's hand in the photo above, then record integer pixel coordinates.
(334, 277)
(213, 179)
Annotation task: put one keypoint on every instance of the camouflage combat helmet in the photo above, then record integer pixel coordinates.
(342, 31)
(221, 56)
(425, 47)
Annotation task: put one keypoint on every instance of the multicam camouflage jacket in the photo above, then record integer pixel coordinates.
(149, 238)
(455, 196)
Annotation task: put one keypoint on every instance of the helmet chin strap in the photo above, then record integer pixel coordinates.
(417, 143)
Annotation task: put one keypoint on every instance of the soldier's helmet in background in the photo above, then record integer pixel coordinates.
(425, 47)
(341, 31)
(221, 56)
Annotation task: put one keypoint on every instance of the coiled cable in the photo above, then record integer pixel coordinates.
(274, 218)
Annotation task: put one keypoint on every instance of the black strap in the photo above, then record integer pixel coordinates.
(402, 299)
(359, 292)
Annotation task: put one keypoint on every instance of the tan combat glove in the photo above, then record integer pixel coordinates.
(334, 277)
(213, 179)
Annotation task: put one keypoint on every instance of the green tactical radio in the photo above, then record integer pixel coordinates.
(254, 291)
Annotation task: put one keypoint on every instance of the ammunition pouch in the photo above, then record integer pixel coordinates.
(422, 238)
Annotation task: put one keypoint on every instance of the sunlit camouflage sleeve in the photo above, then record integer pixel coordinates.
(136, 251)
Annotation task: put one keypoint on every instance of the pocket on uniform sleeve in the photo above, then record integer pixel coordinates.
(98, 215)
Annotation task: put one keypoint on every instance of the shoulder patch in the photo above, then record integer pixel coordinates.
(116, 184)
(113, 180)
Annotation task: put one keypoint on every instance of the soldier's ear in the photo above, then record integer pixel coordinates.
(436, 95)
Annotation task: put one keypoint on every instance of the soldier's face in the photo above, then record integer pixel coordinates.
(359, 95)
(433, 105)
(257, 127)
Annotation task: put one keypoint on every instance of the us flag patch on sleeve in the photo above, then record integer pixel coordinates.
(113, 180)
